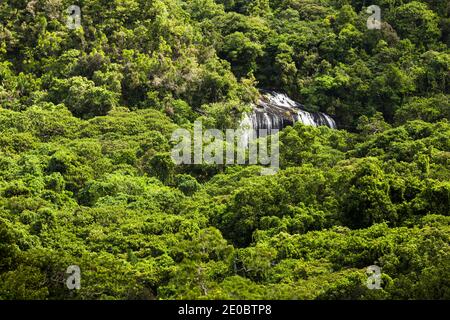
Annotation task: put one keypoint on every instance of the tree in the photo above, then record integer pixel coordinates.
(83, 98)
(416, 22)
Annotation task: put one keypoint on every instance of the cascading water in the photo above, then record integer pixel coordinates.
(276, 111)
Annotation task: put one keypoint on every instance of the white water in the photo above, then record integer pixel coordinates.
(280, 99)
(276, 110)
(306, 118)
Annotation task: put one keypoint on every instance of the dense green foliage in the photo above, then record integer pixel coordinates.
(86, 178)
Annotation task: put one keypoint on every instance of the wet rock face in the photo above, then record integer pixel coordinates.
(276, 111)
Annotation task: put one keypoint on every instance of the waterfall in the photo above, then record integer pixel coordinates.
(276, 111)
